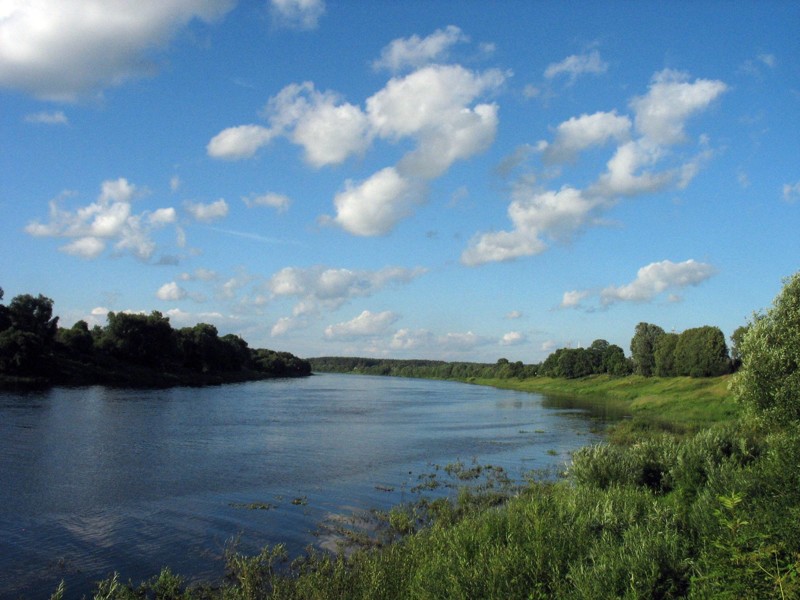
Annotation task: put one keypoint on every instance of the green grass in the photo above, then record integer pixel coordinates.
(677, 405)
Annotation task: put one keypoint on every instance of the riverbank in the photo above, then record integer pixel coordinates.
(675, 405)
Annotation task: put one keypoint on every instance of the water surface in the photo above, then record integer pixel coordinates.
(99, 479)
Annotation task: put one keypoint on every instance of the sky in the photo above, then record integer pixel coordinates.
(442, 180)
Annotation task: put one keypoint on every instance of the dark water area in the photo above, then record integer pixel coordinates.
(96, 480)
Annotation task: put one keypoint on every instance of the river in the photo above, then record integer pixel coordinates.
(100, 479)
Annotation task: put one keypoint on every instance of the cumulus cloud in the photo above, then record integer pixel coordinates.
(657, 278)
(207, 213)
(576, 65)
(48, 118)
(279, 202)
(171, 291)
(643, 162)
(242, 141)
(661, 114)
(513, 338)
(416, 52)
(514, 314)
(436, 107)
(298, 14)
(537, 216)
(573, 298)
(320, 287)
(579, 133)
(373, 207)
(364, 325)
(423, 341)
(109, 219)
(64, 49)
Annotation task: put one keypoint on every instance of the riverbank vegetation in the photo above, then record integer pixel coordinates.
(131, 350)
(711, 512)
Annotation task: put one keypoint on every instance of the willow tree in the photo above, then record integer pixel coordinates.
(769, 379)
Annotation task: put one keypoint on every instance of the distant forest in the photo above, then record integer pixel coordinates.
(131, 350)
(697, 352)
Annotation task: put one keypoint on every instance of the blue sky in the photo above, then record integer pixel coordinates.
(448, 180)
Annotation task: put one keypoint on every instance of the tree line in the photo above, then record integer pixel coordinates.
(131, 348)
(696, 352)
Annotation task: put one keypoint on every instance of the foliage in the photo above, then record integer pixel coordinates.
(769, 379)
(701, 352)
(428, 369)
(27, 334)
(664, 355)
(643, 346)
(133, 349)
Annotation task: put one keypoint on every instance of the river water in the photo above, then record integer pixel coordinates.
(96, 479)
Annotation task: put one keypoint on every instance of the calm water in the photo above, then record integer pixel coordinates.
(97, 479)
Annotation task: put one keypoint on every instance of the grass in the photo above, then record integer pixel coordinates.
(676, 405)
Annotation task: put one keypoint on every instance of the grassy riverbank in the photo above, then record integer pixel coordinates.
(677, 405)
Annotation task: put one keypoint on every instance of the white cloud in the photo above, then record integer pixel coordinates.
(162, 216)
(573, 298)
(171, 291)
(791, 192)
(373, 207)
(207, 212)
(317, 288)
(48, 118)
(433, 106)
(329, 129)
(199, 274)
(109, 218)
(661, 114)
(456, 137)
(656, 278)
(514, 314)
(85, 247)
(283, 326)
(416, 52)
(425, 342)
(279, 202)
(535, 215)
(513, 338)
(422, 100)
(627, 173)
(174, 183)
(298, 14)
(365, 324)
(643, 165)
(64, 49)
(576, 65)
(239, 142)
(579, 133)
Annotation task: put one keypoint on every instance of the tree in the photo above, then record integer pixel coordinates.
(737, 338)
(701, 352)
(643, 345)
(769, 379)
(27, 334)
(664, 355)
(614, 361)
(34, 315)
(77, 338)
(145, 340)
